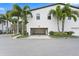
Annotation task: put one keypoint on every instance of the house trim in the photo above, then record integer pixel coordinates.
(53, 5)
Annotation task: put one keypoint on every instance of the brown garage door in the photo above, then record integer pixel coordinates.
(39, 31)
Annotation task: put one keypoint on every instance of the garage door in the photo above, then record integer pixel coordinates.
(39, 31)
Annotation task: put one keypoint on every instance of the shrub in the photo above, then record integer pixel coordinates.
(60, 34)
(51, 33)
(70, 33)
(25, 33)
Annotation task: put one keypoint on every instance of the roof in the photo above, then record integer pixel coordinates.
(53, 5)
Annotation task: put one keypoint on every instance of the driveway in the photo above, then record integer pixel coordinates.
(35, 47)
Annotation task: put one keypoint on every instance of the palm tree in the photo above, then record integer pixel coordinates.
(7, 18)
(2, 21)
(57, 13)
(21, 13)
(13, 21)
(24, 15)
(67, 12)
(16, 12)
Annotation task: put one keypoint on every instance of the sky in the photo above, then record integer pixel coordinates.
(8, 6)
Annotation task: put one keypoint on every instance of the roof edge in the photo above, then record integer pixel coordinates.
(53, 5)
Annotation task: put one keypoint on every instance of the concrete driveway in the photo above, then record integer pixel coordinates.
(35, 47)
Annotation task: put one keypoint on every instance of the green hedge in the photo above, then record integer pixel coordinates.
(61, 34)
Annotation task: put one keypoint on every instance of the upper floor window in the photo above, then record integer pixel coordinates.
(49, 17)
(69, 18)
(38, 16)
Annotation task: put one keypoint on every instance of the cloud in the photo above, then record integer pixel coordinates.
(2, 9)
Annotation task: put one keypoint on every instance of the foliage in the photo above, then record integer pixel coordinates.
(22, 14)
(69, 33)
(57, 13)
(61, 34)
(51, 33)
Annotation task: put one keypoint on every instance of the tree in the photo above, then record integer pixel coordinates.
(57, 13)
(16, 12)
(7, 18)
(67, 12)
(24, 15)
(21, 13)
(13, 20)
(2, 21)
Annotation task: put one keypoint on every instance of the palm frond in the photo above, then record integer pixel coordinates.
(74, 17)
(64, 15)
(75, 12)
(16, 7)
(52, 12)
(26, 7)
(29, 13)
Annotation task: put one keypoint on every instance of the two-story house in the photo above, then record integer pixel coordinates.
(42, 23)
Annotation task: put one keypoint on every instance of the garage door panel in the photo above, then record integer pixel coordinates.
(38, 31)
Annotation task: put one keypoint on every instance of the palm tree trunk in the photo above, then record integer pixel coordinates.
(13, 31)
(25, 28)
(62, 25)
(18, 26)
(2, 28)
(58, 26)
(22, 27)
(7, 27)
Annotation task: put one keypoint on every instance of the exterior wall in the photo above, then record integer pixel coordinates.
(50, 24)
(5, 25)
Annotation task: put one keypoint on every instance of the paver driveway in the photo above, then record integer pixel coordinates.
(42, 47)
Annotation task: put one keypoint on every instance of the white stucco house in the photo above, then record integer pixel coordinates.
(42, 23)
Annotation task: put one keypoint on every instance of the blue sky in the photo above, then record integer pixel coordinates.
(8, 6)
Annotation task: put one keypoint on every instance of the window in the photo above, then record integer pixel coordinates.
(69, 18)
(38, 16)
(49, 17)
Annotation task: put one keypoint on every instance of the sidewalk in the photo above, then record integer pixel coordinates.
(39, 37)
